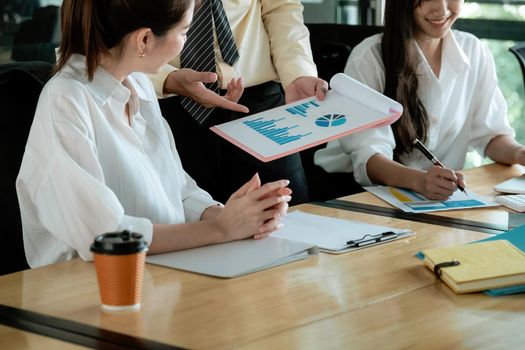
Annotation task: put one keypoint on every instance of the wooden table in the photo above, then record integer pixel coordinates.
(378, 297)
(480, 180)
(12, 338)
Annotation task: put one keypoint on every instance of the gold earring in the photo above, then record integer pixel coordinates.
(142, 54)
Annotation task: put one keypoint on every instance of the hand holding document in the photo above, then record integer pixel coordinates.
(348, 107)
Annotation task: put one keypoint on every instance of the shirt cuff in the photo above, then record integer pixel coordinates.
(360, 159)
(225, 73)
(296, 69)
(159, 79)
(195, 205)
(333, 159)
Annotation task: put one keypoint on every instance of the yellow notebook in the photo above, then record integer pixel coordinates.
(483, 265)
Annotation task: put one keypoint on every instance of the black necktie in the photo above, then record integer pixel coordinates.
(198, 53)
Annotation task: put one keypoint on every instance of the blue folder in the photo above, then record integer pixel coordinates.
(517, 238)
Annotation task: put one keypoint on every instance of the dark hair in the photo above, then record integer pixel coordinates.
(401, 82)
(92, 27)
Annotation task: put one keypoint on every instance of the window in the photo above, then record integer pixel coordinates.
(500, 24)
(29, 30)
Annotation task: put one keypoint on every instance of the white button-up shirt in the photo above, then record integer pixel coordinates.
(86, 171)
(465, 107)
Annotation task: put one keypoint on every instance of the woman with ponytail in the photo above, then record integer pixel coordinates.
(446, 81)
(101, 158)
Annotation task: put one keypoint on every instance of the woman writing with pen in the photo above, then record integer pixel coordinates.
(446, 82)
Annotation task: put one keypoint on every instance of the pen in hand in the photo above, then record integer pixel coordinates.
(420, 146)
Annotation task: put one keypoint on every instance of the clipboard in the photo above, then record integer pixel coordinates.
(336, 236)
(349, 107)
(237, 258)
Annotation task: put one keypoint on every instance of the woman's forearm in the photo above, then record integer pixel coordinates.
(170, 237)
(384, 171)
(504, 149)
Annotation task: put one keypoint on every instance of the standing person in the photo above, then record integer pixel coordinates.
(447, 84)
(273, 51)
(100, 157)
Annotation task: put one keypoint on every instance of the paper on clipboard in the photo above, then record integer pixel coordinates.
(332, 234)
(348, 107)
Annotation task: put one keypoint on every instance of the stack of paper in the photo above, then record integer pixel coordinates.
(481, 265)
(515, 185)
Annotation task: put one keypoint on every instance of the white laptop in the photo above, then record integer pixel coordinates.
(515, 185)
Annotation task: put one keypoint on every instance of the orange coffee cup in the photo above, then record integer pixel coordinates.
(119, 262)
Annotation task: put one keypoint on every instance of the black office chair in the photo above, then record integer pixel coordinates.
(519, 51)
(332, 43)
(331, 46)
(20, 87)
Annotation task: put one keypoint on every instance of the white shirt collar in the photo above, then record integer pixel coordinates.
(104, 86)
(452, 56)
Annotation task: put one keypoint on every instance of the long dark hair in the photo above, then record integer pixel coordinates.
(92, 27)
(401, 82)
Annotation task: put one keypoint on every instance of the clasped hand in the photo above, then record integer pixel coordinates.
(254, 210)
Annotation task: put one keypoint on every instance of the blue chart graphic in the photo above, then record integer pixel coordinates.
(302, 108)
(330, 120)
(268, 129)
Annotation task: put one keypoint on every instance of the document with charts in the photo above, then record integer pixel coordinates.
(412, 202)
(348, 107)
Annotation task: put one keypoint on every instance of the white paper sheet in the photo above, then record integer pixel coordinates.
(349, 107)
(412, 202)
(328, 233)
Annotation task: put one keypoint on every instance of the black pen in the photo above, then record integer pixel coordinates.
(420, 146)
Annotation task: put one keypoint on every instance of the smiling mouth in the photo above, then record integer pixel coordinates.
(438, 21)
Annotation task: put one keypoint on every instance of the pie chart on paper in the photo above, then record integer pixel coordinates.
(330, 120)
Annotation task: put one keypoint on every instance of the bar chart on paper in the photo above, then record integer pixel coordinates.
(302, 108)
(281, 131)
(305, 123)
(269, 129)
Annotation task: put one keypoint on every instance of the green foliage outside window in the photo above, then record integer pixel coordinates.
(510, 77)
